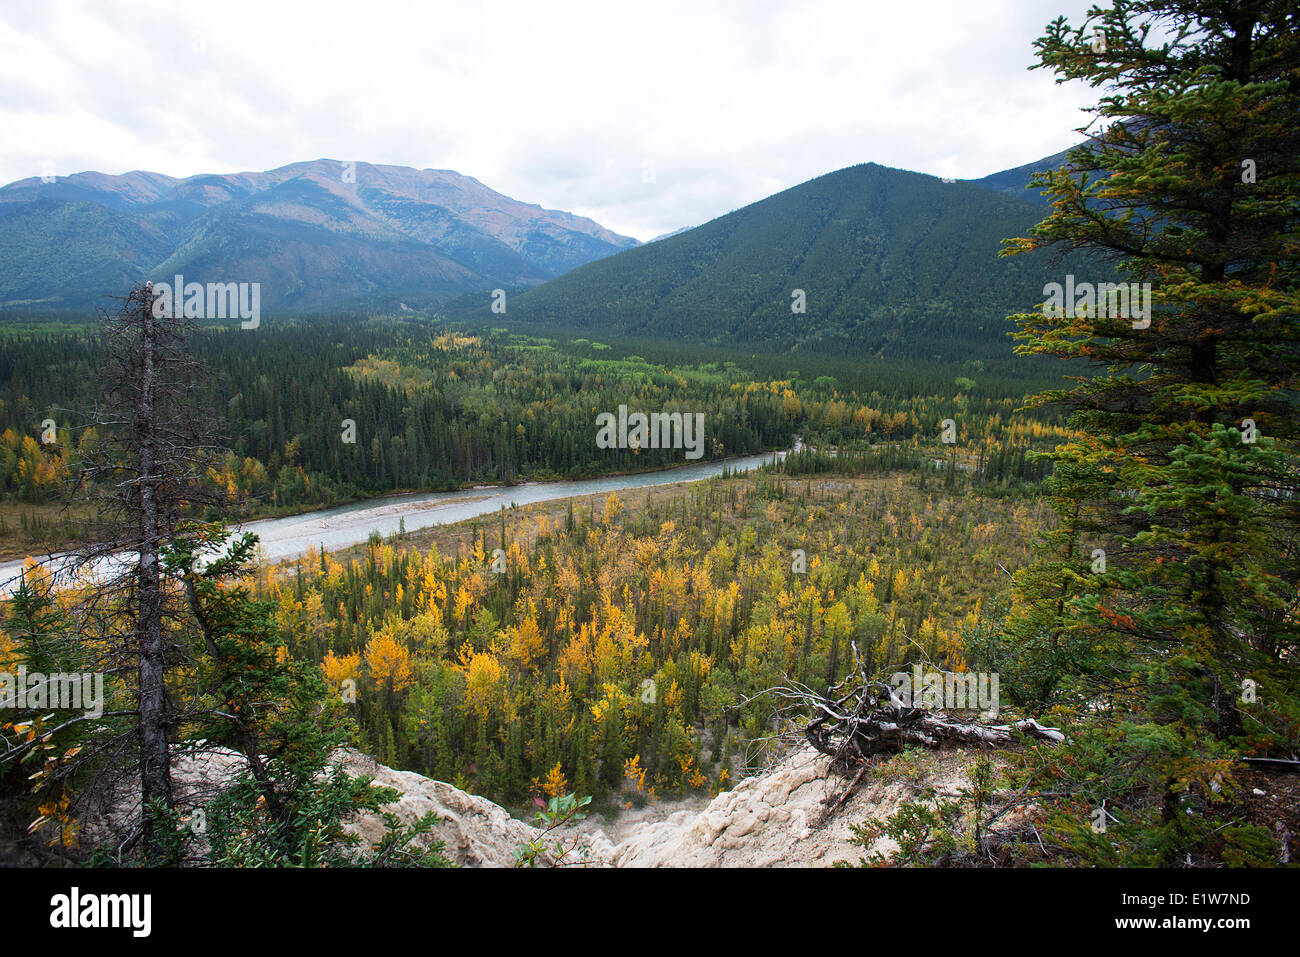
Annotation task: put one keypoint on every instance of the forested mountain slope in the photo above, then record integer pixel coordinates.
(885, 263)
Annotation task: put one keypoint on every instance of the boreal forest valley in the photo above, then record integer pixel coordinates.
(356, 515)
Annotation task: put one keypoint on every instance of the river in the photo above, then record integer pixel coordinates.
(344, 525)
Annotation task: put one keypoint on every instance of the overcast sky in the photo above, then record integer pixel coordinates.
(644, 116)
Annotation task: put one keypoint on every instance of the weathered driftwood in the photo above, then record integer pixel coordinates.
(858, 718)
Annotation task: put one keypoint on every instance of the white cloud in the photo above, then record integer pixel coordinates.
(557, 103)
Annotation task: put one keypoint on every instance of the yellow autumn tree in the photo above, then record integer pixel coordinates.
(527, 643)
(340, 668)
(389, 661)
(555, 783)
(633, 773)
(484, 681)
(464, 605)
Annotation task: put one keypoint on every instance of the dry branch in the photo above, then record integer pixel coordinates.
(860, 717)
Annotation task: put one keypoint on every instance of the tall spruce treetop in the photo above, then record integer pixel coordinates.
(1184, 479)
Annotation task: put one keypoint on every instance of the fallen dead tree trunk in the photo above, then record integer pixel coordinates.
(1282, 765)
(859, 717)
(880, 722)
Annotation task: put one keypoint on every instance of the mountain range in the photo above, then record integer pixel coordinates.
(868, 259)
(322, 235)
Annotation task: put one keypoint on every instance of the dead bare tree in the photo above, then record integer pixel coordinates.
(155, 439)
(859, 717)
